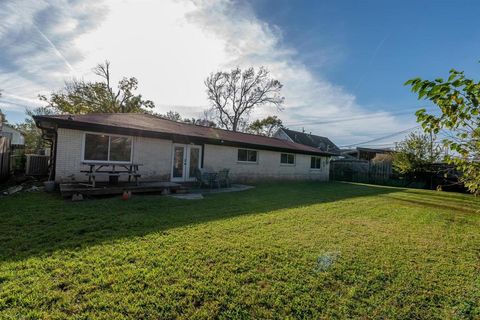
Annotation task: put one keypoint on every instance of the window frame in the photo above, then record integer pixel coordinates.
(322, 165)
(246, 161)
(108, 153)
(286, 163)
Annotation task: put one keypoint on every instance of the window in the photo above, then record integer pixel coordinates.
(316, 163)
(247, 155)
(99, 147)
(287, 158)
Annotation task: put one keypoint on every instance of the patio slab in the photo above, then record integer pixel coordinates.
(187, 196)
(232, 188)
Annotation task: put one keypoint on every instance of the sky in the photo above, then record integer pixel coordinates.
(342, 63)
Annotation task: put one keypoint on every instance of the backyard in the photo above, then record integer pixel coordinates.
(291, 250)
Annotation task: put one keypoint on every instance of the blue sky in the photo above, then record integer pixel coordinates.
(377, 45)
(342, 63)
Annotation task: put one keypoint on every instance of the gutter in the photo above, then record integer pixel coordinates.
(177, 138)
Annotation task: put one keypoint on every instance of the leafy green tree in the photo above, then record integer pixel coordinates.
(235, 94)
(34, 141)
(172, 115)
(3, 119)
(458, 99)
(416, 154)
(175, 116)
(81, 97)
(266, 127)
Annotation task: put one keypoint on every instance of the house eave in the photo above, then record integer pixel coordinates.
(48, 124)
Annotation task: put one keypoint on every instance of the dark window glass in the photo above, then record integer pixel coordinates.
(316, 163)
(252, 156)
(194, 161)
(247, 155)
(287, 158)
(178, 154)
(242, 155)
(96, 147)
(120, 149)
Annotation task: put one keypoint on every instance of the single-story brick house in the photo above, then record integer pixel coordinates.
(170, 151)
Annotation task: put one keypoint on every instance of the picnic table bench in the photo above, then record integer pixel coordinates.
(112, 170)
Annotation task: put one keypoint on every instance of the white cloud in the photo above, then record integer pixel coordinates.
(171, 46)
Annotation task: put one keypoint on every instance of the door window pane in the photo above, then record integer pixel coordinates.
(96, 147)
(178, 162)
(194, 161)
(120, 149)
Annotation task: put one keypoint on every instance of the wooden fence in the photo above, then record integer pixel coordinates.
(4, 158)
(360, 171)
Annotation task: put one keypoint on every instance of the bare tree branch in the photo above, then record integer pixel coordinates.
(234, 95)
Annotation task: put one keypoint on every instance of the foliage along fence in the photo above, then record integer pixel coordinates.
(361, 171)
(4, 158)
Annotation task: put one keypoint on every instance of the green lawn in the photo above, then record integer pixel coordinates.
(261, 253)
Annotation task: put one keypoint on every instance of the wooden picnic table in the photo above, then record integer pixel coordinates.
(111, 169)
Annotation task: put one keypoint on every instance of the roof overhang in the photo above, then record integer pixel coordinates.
(49, 125)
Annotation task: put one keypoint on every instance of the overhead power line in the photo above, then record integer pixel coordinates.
(360, 117)
(382, 138)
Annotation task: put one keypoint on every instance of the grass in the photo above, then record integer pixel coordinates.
(395, 253)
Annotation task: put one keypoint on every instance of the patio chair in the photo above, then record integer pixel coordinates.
(200, 179)
(205, 178)
(223, 179)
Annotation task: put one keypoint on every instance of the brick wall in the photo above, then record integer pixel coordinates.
(155, 155)
(267, 167)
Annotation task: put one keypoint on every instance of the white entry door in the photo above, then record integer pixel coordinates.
(185, 159)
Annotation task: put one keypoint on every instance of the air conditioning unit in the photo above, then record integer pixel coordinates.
(37, 165)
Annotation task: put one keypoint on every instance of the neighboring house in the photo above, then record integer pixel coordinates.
(16, 137)
(172, 151)
(308, 139)
(361, 153)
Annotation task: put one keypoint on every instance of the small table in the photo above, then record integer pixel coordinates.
(210, 178)
(117, 169)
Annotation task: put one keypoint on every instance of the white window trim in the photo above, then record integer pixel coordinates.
(109, 135)
(248, 162)
(288, 164)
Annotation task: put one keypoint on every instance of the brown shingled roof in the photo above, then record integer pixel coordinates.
(153, 126)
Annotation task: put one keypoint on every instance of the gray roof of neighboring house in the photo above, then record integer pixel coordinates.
(322, 143)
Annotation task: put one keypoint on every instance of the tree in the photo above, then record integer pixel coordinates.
(172, 115)
(416, 154)
(3, 119)
(458, 99)
(80, 97)
(32, 134)
(235, 94)
(175, 116)
(266, 127)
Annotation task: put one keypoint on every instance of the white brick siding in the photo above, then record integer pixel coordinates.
(156, 157)
(267, 167)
